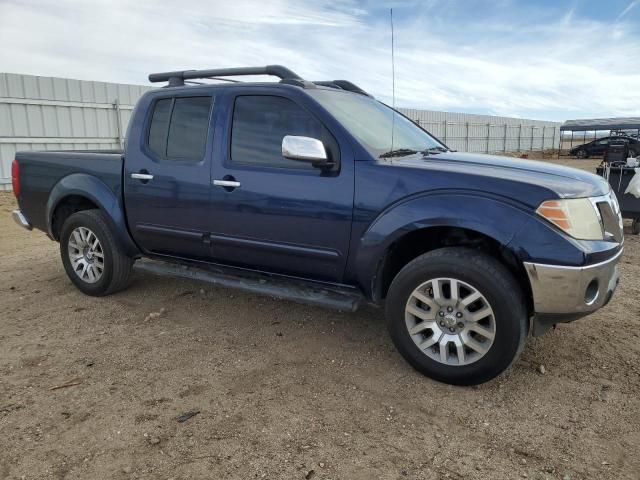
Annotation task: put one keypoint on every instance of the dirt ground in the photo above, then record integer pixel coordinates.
(286, 391)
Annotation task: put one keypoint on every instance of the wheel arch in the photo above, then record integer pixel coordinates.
(82, 192)
(423, 240)
(426, 223)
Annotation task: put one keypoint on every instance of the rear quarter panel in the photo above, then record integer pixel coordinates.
(46, 178)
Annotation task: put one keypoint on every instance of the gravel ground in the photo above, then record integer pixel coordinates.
(286, 391)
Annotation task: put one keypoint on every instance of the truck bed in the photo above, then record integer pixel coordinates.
(42, 170)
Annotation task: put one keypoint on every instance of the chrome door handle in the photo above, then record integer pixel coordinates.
(142, 176)
(226, 183)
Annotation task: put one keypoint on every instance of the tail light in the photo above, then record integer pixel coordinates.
(15, 178)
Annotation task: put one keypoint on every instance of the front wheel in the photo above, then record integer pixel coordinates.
(582, 154)
(91, 256)
(457, 315)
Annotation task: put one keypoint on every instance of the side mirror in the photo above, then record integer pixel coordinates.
(305, 149)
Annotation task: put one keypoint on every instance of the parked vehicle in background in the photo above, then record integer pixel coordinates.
(316, 192)
(599, 146)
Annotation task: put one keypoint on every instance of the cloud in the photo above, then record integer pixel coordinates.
(455, 56)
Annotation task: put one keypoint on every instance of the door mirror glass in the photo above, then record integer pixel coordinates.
(305, 149)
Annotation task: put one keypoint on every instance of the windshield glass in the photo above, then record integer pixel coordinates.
(371, 122)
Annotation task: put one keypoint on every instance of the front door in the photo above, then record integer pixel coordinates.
(599, 147)
(167, 178)
(276, 214)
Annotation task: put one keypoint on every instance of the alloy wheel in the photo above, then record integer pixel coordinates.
(86, 255)
(450, 321)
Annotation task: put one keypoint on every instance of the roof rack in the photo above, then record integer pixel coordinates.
(342, 85)
(177, 78)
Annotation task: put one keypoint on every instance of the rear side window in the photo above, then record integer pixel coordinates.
(179, 127)
(260, 122)
(159, 126)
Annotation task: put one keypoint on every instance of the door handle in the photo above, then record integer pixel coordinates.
(226, 183)
(142, 176)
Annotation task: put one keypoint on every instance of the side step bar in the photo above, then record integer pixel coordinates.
(301, 291)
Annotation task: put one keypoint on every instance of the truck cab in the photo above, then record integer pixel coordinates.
(223, 192)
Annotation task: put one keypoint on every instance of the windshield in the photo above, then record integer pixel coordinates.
(371, 123)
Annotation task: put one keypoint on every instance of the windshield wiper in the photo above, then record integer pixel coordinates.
(435, 150)
(400, 152)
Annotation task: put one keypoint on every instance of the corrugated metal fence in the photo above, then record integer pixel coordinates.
(45, 113)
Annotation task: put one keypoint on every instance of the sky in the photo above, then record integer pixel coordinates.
(547, 59)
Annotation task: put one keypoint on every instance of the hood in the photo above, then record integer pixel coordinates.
(566, 182)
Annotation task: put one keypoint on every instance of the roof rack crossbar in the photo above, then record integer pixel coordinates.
(178, 77)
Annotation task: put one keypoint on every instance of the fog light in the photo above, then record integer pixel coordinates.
(591, 293)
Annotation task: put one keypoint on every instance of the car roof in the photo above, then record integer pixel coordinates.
(219, 88)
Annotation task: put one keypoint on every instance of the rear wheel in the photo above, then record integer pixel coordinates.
(457, 315)
(91, 256)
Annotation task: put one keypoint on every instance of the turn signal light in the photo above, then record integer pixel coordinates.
(554, 211)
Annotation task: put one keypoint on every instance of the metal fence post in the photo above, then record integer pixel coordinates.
(504, 140)
(116, 106)
(466, 137)
(519, 136)
(544, 128)
(445, 132)
(531, 144)
(488, 136)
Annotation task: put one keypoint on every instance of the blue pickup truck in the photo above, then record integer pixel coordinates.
(315, 191)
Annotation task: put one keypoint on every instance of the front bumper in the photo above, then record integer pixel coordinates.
(20, 219)
(563, 293)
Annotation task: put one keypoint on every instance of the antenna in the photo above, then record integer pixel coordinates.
(393, 82)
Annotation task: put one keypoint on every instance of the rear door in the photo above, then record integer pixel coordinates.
(167, 176)
(283, 215)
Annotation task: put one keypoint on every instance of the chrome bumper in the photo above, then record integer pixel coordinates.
(20, 219)
(572, 290)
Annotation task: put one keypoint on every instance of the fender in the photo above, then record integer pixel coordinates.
(92, 188)
(497, 217)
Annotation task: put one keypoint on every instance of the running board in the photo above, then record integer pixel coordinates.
(301, 291)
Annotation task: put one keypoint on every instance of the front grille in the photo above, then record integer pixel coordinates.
(611, 218)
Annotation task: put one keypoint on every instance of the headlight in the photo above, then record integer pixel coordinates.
(576, 216)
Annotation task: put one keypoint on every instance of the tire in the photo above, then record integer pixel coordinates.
(582, 154)
(471, 270)
(635, 226)
(111, 272)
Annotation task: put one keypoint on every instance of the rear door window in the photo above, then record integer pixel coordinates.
(159, 124)
(179, 127)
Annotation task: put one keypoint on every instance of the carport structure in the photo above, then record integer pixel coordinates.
(629, 126)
